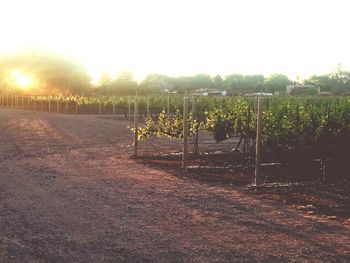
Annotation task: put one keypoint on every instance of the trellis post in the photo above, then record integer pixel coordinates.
(168, 106)
(194, 110)
(129, 107)
(258, 143)
(185, 133)
(147, 106)
(136, 124)
(76, 107)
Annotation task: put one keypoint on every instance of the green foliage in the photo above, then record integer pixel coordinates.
(292, 127)
(155, 83)
(276, 83)
(243, 84)
(235, 119)
(170, 126)
(337, 82)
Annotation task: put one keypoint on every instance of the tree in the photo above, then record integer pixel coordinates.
(124, 84)
(336, 82)
(276, 83)
(324, 82)
(255, 82)
(244, 83)
(182, 84)
(201, 81)
(340, 79)
(156, 83)
(218, 82)
(105, 83)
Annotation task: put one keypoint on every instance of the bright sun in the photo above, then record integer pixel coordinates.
(21, 80)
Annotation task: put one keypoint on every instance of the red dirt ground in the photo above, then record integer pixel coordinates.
(69, 192)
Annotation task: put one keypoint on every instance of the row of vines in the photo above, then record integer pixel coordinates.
(302, 133)
(305, 134)
(118, 105)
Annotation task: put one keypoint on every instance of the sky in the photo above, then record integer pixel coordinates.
(297, 38)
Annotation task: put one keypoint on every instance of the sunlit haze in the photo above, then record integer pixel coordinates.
(21, 80)
(296, 38)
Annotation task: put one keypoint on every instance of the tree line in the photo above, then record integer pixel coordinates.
(58, 74)
(337, 82)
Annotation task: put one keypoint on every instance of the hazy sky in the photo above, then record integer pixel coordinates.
(296, 38)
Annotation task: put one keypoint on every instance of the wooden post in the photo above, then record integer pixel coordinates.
(41, 104)
(147, 106)
(12, 104)
(100, 107)
(129, 107)
(7, 100)
(57, 106)
(49, 104)
(22, 102)
(185, 133)
(136, 123)
(66, 105)
(193, 105)
(168, 106)
(76, 108)
(113, 108)
(258, 142)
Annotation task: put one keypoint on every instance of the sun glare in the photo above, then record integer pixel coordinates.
(21, 80)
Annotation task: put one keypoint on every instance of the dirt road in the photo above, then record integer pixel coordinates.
(69, 192)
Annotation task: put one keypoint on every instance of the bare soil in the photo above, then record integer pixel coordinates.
(70, 192)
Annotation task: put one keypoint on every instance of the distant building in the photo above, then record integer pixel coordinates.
(306, 90)
(170, 91)
(206, 92)
(257, 94)
(291, 89)
(325, 93)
